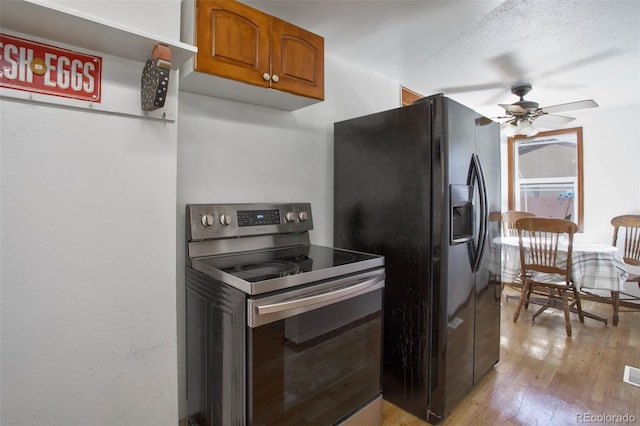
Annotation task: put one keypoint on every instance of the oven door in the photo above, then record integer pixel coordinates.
(315, 353)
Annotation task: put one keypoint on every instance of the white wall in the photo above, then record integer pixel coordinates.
(87, 287)
(229, 152)
(611, 148)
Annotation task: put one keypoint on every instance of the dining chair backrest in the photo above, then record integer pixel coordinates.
(509, 219)
(539, 239)
(626, 236)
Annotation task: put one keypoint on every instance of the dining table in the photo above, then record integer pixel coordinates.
(597, 269)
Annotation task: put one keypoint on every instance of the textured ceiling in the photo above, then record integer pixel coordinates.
(473, 51)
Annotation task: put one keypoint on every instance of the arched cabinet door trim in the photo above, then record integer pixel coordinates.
(239, 44)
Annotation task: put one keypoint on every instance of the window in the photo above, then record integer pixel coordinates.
(545, 174)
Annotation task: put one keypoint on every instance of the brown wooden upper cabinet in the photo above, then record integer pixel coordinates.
(240, 43)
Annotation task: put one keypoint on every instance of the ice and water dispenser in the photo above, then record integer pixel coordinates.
(461, 213)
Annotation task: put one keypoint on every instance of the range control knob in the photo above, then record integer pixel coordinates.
(290, 216)
(207, 220)
(225, 219)
(303, 215)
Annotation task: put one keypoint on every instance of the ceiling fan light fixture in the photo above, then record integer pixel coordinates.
(509, 129)
(523, 127)
(526, 128)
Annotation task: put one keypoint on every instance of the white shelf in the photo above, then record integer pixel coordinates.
(69, 26)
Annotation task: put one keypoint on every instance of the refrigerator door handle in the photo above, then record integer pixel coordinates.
(473, 182)
(475, 178)
(484, 212)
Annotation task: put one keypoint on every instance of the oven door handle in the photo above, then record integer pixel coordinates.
(336, 292)
(333, 296)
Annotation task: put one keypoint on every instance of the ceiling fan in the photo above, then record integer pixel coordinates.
(522, 114)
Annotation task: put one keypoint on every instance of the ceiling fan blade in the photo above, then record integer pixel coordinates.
(552, 120)
(571, 106)
(515, 109)
(598, 57)
(509, 65)
(472, 88)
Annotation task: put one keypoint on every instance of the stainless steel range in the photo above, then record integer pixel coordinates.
(279, 331)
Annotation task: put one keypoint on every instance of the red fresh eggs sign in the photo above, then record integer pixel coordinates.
(40, 68)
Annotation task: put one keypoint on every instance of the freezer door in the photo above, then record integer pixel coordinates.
(382, 205)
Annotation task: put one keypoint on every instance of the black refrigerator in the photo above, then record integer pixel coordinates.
(421, 185)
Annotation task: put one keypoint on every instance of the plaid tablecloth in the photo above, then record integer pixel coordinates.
(595, 266)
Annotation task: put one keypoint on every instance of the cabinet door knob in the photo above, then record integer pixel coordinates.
(275, 78)
(266, 76)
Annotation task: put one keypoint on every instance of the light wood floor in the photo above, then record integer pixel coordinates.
(547, 378)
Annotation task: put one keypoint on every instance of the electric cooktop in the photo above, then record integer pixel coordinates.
(269, 270)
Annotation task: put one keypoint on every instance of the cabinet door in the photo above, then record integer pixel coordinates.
(233, 41)
(297, 59)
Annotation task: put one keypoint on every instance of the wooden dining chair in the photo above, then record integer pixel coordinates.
(626, 236)
(509, 219)
(544, 271)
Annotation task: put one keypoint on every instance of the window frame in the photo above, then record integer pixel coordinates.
(511, 152)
